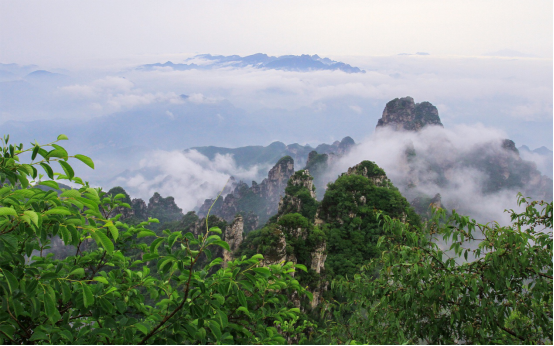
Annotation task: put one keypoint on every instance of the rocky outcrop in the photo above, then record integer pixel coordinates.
(291, 203)
(233, 237)
(164, 209)
(139, 207)
(404, 114)
(371, 171)
(277, 178)
(423, 204)
(261, 200)
(278, 252)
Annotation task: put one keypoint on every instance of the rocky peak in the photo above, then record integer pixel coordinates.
(262, 198)
(405, 114)
(233, 237)
(164, 209)
(139, 207)
(371, 171)
(345, 145)
(303, 179)
(279, 175)
(298, 184)
(509, 145)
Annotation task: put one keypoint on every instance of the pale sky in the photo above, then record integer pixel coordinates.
(56, 33)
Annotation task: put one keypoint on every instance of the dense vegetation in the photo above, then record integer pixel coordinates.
(491, 285)
(72, 271)
(101, 293)
(349, 209)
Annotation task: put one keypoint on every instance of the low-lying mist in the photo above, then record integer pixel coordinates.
(464, 187)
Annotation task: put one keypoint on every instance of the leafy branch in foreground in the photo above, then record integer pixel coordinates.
(491, 284)
(71, 272)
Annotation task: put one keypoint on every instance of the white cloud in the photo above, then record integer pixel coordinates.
(356, 109)
(189, 177)
(111, 94)
(447, 148)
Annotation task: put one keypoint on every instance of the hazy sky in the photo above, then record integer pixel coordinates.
(56, 33)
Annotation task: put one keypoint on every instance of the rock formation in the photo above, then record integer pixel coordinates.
(163, 209)
(404, 114)
(290, 202)
(371, 171)
(233, 237)
(262, 200)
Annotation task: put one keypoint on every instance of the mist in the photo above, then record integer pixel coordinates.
(189, 177)
(447, 148)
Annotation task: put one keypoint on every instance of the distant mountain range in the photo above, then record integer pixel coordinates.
(259, 155)
(302, 63)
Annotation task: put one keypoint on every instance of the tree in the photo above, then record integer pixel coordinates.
(104, 291)
(492, 285)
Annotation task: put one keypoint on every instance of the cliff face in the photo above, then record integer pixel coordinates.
(404, 114)
(256, 203)
(233, 237)
(293, 201)
(163, 209)
(291, 236)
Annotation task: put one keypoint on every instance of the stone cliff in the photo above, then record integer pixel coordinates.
(163, 209)
(405, 114)
(292, 201)
(259, 200)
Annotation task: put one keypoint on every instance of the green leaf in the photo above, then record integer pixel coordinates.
(23, 180)
(50, 307)
(7, 211)
(301, 266)
(215, 230)
(12, 281)
(223, 244)
(216, 330)
(142, 328)
(58, 211)
(101, 279)
(242, 298)
(263, 271)
(50, 183)
(71, 193)
(114, 231)
(88, 298)
(48, 170)
(8, 330)
(103, 240)
(155, 244)
(35, 152)
(67, 169)
(79, 271)
(32, 215)
(62, 137)
(38, 335)
(85, 159)
(146, 234)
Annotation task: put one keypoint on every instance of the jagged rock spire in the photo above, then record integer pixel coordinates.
(405, 114)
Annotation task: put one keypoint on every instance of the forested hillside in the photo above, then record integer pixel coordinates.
(88, 266)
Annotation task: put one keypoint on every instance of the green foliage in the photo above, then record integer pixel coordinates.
(369, 169)
(300, 193)
(284, 159)
(114, 191)
(493, 284)
(350, 209)
(108, 290)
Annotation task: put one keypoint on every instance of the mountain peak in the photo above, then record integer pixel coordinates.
(404, 114)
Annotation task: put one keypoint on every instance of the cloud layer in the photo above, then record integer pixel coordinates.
(189, 177)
